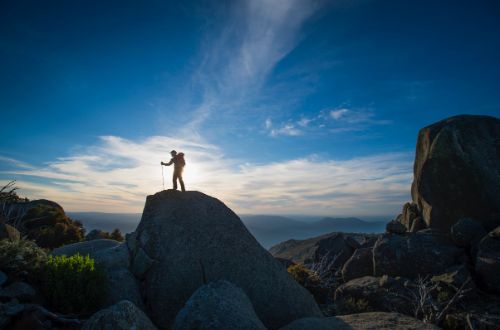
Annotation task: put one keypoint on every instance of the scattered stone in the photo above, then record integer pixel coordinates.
(360, 264)
(218, 305)
(395, 227)
(361, 321)
(422, 253)
(122, 316)
(466, 231)
(12, 308)
(18, 290)
(457, 171)
(488, 260)
(195, 239)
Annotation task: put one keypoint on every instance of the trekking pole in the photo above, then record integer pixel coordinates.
(162, 177)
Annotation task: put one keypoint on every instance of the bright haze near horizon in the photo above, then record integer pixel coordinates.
(281, 106)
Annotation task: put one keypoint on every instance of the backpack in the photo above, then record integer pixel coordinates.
(180, 156)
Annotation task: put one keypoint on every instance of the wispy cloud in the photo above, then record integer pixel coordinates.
(337, 120)
(239, 55)
(116, 175)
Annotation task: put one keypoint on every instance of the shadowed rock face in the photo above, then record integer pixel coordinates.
(189, 239)
(457, 171)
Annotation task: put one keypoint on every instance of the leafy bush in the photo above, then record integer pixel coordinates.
(303, 275)
(116, 234)
(21, 259)
(354, 306)
(50, 227)
(73, 284)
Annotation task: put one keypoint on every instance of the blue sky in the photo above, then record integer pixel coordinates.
(282, 106)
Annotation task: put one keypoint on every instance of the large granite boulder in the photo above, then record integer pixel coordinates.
(187, 239)
(415, 254)
(457, 171)
(218, 305)
(122, 316)
(360, 264)
(369, 294)
(361, 321)
(488, 260)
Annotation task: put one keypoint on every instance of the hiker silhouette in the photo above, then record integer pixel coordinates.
(179, 163)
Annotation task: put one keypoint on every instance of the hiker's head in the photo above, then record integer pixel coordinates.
(173, 153)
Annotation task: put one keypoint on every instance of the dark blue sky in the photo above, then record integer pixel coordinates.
(262, 82)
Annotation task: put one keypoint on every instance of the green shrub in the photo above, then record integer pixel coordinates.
(50, 227)
(73, 284)
(303, 275)
(353, 306)
(21, 259)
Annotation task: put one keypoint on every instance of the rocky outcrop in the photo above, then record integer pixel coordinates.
(422, 253)
(192, 239)
(370, 293)
(122, 316)
(338, 245)
(395, 227)
(488, 260)
(360, 264)
(457, 171)
(218, 305)
(362, 321)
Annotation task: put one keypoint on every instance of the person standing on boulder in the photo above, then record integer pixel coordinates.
(179, 163)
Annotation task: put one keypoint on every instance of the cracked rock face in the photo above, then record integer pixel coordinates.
(457, 172)
(187, 239)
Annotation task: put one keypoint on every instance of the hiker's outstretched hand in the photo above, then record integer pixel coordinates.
(162, 163)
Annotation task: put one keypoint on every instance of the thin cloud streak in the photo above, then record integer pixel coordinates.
(238, 58)
(117, 174)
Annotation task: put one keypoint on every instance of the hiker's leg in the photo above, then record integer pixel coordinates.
(174, 180)
(181, 181)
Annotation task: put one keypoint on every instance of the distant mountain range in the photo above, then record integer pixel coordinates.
(267, 229)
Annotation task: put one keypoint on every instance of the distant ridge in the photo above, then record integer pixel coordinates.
(267, 229)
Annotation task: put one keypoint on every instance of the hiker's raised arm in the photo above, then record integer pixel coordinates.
(169, 163)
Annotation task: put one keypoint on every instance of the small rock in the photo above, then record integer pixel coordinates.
(122, 316)
(218, 305)
(361, 321)
(395, 227)
(19, 290)
(360, 264)
(488, 260)
(12, 308)
(422, 253)
(466, 231)
(417, 225)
